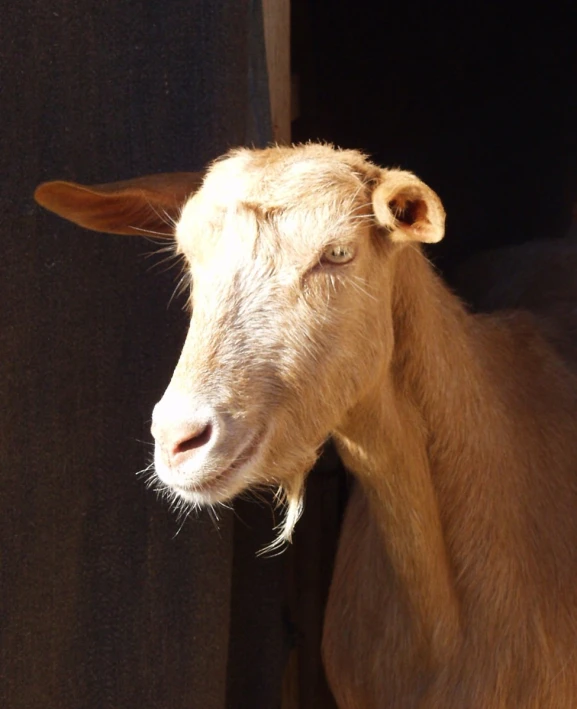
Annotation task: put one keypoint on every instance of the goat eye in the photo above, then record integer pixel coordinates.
(337, 254)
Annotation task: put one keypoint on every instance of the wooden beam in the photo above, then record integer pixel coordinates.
(276, 14)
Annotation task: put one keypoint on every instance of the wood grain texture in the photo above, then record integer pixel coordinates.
(276, 15)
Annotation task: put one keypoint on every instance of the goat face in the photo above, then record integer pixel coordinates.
(291, 253)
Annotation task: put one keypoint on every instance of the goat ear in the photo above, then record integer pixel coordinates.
(143, 205)
(408, 208)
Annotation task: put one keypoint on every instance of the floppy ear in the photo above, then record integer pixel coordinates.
(408, 208)
(144, 205)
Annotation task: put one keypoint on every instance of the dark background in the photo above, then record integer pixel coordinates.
(100, 604)
(478, 99)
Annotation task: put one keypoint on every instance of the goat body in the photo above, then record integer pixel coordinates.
(474, 602)
(315, 313)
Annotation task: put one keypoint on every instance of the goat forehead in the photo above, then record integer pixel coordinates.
(217, 236)
(279, 178)
(222, 237)
(247, 212)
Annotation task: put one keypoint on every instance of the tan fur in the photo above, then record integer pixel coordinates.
(455, 585)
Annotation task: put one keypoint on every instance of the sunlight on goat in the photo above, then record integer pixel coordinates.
(314, 313)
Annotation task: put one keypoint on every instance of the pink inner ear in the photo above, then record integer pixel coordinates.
(409, 211)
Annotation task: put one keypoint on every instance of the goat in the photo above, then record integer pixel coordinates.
(314, 313)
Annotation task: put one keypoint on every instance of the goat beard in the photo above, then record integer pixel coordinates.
(290, 496)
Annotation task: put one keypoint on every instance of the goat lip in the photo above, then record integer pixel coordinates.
(213, 484)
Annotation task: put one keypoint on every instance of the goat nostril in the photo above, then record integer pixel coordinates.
(196, 441)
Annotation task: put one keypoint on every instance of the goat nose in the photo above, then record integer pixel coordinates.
(179, 429)
(193, 438)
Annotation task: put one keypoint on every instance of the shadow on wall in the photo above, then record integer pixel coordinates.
(480, 101)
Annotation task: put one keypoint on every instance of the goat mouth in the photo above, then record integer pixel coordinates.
(217, 485)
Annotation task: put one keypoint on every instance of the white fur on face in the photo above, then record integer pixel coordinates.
(265, 345)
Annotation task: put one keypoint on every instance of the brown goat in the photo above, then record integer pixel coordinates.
(314, 314)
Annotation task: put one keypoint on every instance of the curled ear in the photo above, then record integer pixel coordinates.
(143, 205)
(408, 208)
